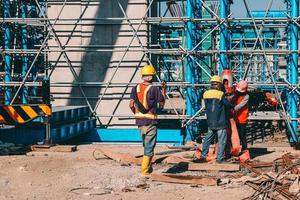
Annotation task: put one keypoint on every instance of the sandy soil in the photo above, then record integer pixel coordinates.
(78, 175)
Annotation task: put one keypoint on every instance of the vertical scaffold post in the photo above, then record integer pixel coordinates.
(293, 69)
(264, 61)
(192, 97)
(34, 14)
(275, 57)
(241, 58)
(24, 47)
(7, 58)
(224, 5)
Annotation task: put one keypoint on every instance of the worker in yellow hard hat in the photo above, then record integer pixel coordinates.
(145, 102)
(215, 105)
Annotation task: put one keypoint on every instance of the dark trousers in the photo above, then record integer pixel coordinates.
(242, 129)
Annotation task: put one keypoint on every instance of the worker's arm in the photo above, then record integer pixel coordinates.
(160, 97)
(203, 103)
(131, 106)
(131, 103)
(242, 104)
(227, 102)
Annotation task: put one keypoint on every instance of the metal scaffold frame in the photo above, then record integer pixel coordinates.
(198, 38)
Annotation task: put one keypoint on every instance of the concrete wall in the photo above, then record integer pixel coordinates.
(91, 64)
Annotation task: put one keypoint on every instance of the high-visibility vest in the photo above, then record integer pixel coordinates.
(142, 97)
(242, 115)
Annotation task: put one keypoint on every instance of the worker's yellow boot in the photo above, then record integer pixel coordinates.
(146, 166)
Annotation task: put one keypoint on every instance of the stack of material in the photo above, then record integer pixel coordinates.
(276, 180)
(11, 149)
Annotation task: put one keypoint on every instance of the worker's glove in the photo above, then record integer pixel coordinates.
(163, 87)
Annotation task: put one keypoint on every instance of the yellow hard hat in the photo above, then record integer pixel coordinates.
(148, 70)
(216, 78)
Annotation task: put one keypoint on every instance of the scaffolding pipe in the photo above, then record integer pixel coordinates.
(275, 59)
(7, 57)
(224, 5)
(293, 111)
(24, 34)
(34, 42)
(192, 97)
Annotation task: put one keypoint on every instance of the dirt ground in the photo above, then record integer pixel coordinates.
(78, 175)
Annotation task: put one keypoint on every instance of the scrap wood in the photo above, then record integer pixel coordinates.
(169, 152)
(247, 166)
(284, 192)
(265, 164)
(289, 163)
(127, 158)
(120, 157)
(184, 148)
(172, 153)
(185, 179)
(259, 189)
(176, 160)
(213, 167)
(54, 148)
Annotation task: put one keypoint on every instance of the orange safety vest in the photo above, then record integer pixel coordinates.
(142, 92)
(241, 116)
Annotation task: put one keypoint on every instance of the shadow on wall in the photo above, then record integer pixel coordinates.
(94, 65)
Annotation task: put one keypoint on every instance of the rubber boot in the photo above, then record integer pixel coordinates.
(146, 166)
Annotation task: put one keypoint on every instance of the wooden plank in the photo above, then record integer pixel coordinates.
(120, 157)
(176, 160)
(55, 148)
(64, 148)
(289, 163)
(127, 158)
(213, 167)
(185, 179)
(265, 164)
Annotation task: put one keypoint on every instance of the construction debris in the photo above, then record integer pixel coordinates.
(185, 179)
(277, 180)
(213, 167)
(169, 157)
(280, 183)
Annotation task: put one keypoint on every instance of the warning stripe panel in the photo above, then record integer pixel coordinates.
(2, 120)
(22, 113)
(13, 114)
(30, 112)
(46, 109)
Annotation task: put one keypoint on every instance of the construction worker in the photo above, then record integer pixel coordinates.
(145, 101)
(215, 105)
(241, 111)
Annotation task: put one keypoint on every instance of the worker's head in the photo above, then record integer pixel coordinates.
(148, 73)
(216, 82)
(242, 86)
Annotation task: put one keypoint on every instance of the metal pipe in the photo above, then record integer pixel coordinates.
(223, 35)
(7, 57)
(192, 97)
(275, 58)
(292, 103)
(34, 42)
(24, 34)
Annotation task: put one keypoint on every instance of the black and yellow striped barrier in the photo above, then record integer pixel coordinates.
(20, 114)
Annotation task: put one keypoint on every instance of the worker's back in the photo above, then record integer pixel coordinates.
(149, 96)
(215, 109)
